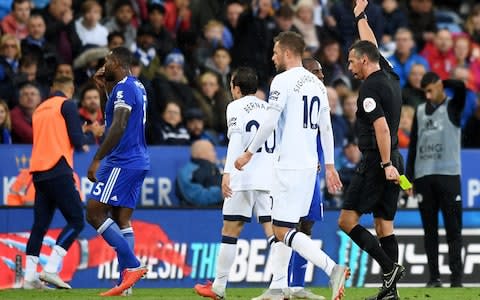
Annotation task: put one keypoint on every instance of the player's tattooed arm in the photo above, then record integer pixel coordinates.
(113, 137)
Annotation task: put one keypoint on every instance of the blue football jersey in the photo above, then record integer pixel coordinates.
(131, 152)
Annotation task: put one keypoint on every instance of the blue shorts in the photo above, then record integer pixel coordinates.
(315, 212)
(117, 186)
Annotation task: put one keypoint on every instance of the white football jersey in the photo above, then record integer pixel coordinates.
(244, 116)
(300, 97)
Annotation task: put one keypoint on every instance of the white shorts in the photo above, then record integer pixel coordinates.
(242, 204)
(292, 193)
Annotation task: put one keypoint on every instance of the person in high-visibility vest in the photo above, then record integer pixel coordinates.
(56, 134)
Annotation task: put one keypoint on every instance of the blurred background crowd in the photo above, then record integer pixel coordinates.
(186, 49)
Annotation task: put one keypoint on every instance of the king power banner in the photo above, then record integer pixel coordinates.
(159, 186)
(180, 249)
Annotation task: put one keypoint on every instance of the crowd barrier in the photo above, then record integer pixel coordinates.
(159, 186)
(180, 248)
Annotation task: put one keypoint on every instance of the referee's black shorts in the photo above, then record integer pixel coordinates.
(369, 191)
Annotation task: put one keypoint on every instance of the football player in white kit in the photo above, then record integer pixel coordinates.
(298, 109)
(244, 191)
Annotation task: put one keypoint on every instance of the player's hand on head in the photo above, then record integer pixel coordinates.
(92, 170)
(360, 6)
(226, 190)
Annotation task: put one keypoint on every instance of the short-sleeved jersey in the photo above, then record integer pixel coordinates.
(380, 95)
(300, 97)
(131, 152)
(244, 116)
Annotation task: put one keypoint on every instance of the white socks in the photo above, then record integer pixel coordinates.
(31, 268)
(307, 248)
(55, 259)
(226, 257)
(281, 257)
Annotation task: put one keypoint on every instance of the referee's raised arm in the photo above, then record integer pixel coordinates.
(364, 30)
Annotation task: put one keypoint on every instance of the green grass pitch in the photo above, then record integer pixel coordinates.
(243, 293)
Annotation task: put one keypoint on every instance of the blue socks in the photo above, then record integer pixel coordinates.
(113, 236)
(128, 235)
(296, 270)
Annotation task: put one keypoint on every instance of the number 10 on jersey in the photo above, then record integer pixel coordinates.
(308, 110)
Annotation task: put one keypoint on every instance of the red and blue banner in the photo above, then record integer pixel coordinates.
(180, 248)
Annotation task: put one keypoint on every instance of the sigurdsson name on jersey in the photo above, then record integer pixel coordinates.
(303, 80)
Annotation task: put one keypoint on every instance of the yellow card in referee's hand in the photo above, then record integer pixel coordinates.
(404, 183)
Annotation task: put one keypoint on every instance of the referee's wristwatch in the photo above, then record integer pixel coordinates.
(361, 16)
(386, 164)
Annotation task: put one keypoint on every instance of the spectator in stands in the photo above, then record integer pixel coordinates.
(5, 123)
(87, 63)
(88, 28)
(58, 16)
(115, 39)
(171, 84)
(211, 39)
(144, 47)
(37, 46)
(349, 107)
(121, 21)
(471, 132)
(168, 130)
(395, 18)
(29, 99)
(256, 28)
(91, 115)
(472, 24)
(219, 63)
(343, 21)
(9, 60)
(284, 18)
(412, 93)
(331, 58)
(15, 23)
(439, 53)
(177, 16)
(463, 74)
(405, 55)
(233, 11)
(303, 21)
(195, 123)
(339, 125)
(198, 182)
(421, 20)
(343, 86)
(28, 72)
(346, 164)
(164, 42)
(212, 100)
(406, 119)
(64, 70)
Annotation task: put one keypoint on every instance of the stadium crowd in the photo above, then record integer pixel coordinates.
(186, 49)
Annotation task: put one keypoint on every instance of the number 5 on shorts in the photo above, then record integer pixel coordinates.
(98, 188)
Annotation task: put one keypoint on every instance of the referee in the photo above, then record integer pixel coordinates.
(56, 131)
(374, 187)
(434, 164)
